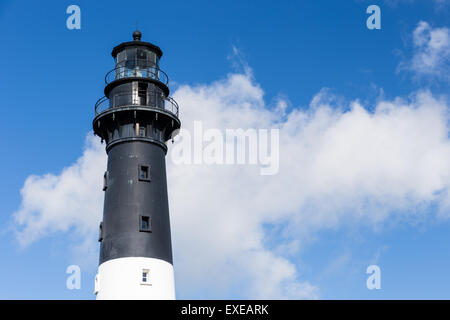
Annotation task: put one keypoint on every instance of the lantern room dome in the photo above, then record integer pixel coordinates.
(137, 43)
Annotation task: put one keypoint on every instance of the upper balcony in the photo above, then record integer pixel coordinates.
(146, 99)
(137, 69)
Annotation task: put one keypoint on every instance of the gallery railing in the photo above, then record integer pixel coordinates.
(152, 99)
(135, 70)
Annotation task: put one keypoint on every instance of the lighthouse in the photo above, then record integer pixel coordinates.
(135, 118)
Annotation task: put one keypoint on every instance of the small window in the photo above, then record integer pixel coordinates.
(144, 172)
(142, 131)
(144, 224)
(105, 181)
(145, 276)
(100, 232)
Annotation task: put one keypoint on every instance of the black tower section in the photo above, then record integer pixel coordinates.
(136, 118)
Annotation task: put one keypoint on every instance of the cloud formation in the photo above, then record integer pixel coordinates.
(338, 165)
(71, 200)
(431, 57)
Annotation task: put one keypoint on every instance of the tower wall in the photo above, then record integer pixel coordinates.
(129, 197)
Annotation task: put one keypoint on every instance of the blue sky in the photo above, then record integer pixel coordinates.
(293, 48)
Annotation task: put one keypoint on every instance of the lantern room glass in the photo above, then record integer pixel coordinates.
(137, 62)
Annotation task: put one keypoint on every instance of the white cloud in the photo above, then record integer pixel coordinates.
(71, 200)
(337, 166)
(431, 56)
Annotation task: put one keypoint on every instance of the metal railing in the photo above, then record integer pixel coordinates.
(152, 99)
(144, 71)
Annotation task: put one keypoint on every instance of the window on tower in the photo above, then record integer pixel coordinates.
(100, 232)
(145, 225)
(144, 172)
(142, 132)
(145, 276)
(105, 181)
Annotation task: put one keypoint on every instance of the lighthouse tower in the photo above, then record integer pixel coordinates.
(135, 118)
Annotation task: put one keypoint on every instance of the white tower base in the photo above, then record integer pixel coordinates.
(135, 278)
